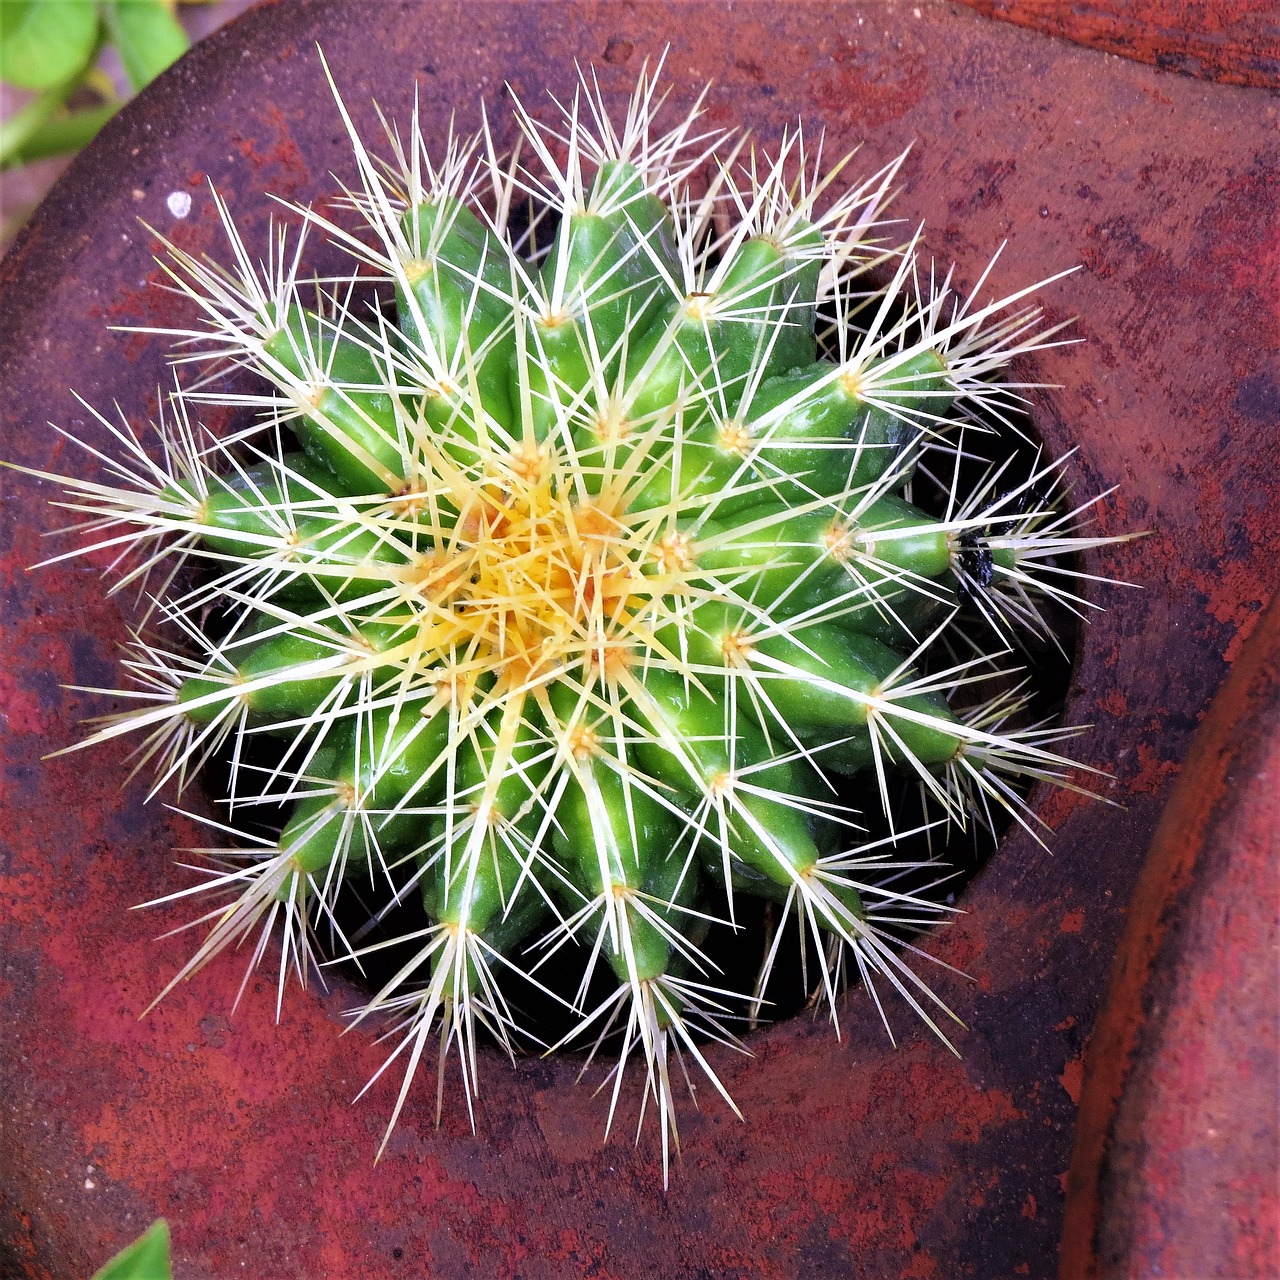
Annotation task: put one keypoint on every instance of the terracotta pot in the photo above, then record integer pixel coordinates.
(856, 1158)
(1178, 1145)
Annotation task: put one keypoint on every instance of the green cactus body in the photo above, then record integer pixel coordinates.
(596, 593)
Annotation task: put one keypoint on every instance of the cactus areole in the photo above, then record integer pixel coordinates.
(565, 558)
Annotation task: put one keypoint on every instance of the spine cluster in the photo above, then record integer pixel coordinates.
(566, 552)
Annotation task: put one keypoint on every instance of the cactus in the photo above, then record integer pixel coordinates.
(576, 581)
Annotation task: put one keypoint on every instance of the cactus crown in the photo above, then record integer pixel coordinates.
(577, 580)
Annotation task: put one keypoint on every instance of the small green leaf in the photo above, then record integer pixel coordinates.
(147, 35)
(18, 129)
(147, 1258)
(62, 133)
(45, 42)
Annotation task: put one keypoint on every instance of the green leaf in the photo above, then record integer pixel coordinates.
(45, 42)
(147, 35)
(62, 133)
(147, 1258)
(17, 130)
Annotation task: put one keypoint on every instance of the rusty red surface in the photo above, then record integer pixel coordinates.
(1231, 41)
(856, 1158)
(1178, 1145)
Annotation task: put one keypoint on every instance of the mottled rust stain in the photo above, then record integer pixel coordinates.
(856, 1158)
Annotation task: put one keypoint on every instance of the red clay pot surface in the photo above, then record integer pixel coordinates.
(1175, 1168)
(856, 1159)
